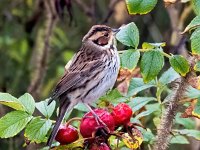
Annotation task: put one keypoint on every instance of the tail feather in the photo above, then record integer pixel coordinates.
(63, 109)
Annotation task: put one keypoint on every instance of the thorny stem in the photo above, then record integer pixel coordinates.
(164, 131)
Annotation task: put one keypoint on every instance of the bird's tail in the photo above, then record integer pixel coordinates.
(63, 109)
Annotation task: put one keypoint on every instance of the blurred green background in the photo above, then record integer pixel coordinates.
(36, 40)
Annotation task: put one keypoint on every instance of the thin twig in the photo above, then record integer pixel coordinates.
(84, 8)
(110, 10)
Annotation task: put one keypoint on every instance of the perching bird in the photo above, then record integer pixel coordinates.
(92, 72)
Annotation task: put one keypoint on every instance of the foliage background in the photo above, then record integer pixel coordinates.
(23, 24)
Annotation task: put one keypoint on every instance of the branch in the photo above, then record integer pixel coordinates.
(165, 128)
(42, 52)
(87, 10)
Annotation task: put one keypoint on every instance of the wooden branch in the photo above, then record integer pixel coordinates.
(42, 53)
(165, 129)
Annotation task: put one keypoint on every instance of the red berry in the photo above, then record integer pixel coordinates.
(102, 146)
(66, 134)
(122, 114)
(89, 125)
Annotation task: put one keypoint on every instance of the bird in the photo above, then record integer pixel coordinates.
(90, 73)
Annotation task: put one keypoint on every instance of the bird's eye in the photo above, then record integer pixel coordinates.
(106, 34)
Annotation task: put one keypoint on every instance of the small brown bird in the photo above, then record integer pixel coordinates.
(91, 73)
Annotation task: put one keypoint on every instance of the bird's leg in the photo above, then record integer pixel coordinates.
(98, 120)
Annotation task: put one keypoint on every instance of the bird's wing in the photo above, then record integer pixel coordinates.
(76, 73)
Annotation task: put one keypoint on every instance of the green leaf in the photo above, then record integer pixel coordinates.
(10, 101)
(28, 102)
(137, 85)
(45, 109)
(151, 64)
(195, 38)
(140, 6)
(81, 107)
(130, 58)
(180, 64)
(138, 102)
(188, 123)
(196, 6)
(144, 113)
(192, 92)
(148, 135)
(146, 45)
(193, 24)
(112, 96)
(189, 132)
(169, 76)
(78, 145)
(197, 107)
(13, 122)
(197, 66)
(154, 106)
(37, 130)
(179, 139)
(129, 35)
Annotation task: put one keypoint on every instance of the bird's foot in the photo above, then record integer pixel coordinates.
(97, 118)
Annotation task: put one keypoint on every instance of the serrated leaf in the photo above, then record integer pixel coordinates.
(197, 66)
(188, 123)
(196, 6)
(140, 6)
(168, 76)
(192, 92)
(10, 101)
(195, 38)
(180, 64)
(129, 35)
(151, 64)
(112, 96)
(193, 24)
(138, 102)
(12, 123)
(130, 58)
(148, 135)
(189, 132)
(45, 109)
(197, 107)
(81, 107)
(154, 106)
(28, 103)
(179, 139)
(144, 113)
(137, 85)
(150, 108)
(37, 130)
(77, 145)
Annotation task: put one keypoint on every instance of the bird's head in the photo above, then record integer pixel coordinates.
(101, 35)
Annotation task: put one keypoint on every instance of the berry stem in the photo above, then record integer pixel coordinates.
(72, 120)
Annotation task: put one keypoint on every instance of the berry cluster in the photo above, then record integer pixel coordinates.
(96, 133)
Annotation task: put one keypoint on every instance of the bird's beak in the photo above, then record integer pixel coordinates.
(115, 31)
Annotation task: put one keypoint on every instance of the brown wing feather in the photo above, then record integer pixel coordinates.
(82, 65)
